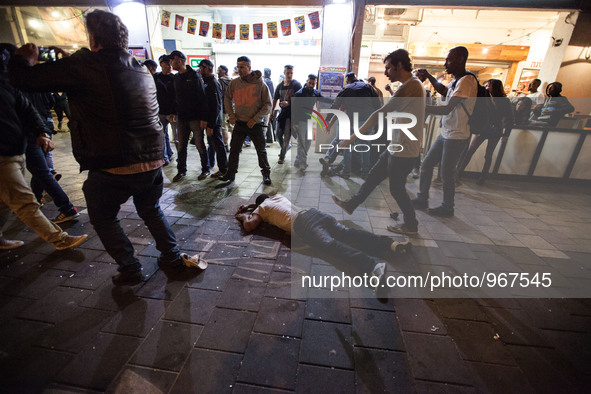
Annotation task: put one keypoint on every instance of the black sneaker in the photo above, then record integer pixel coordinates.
(404, 229)
(420, 204)
(266, 180)
(128, 278)
(179, 177)
(203, 175)
(345, 205)
(280, 161)
(440, 211)
(401, 247)
(227, 178)
(65, 217)
(394, 215)
(325, 166)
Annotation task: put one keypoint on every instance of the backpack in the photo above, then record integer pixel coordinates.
(482, 120)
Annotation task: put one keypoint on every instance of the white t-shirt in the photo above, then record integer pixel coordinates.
(537, 98)
(455, 125)
(277, 210)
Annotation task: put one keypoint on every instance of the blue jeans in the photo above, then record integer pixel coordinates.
(184, 131)
(42, 179)
(284, 136)
(105, 192)
(167, 149)
(447, 152)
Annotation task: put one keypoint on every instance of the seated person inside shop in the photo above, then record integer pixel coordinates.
(323, 232)
(554, 108)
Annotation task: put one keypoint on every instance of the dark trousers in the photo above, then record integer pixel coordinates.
(42, 179)
(216, 148)
(184, 132)
(397, 170)
(104, 195)
(350, 245)
(241, 131)
(490, 148)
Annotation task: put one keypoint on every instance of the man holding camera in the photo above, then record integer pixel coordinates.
(116, 135)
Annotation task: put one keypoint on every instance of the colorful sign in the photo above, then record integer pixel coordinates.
(286, 27)
(178, 22)
(230, 32)
(244, 31)
(194, 60)
(272, 29)
(314, 19)
(165, 18)
(216, 31)
(300, 23)
(203, 28)
(191, 25)
(257, 31)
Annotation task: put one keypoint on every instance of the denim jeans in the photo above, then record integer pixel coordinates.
(216, 148)
(447, 152)
(42, 179)
(16, 195)
(301, 134)
(241, 131)
(165, 122)
(105, 192)
(184, 132)
(354, 246)
(284, 136)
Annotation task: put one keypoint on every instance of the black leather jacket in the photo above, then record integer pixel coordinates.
(113, 103)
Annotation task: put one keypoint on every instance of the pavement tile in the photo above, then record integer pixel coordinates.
(167, 346)
(312, 379)
(192, 306)
(242, 294)
(376, 329)
(58, 305)
(136, 318)
(380, 371)
(99, 362)
(209, 371)
(418, 315)
(215, 277)
(322, 305)
(271, 361)
(139, 380)
(166, 286)
(91, 275)
(228, 330)
(574, 348)
(500, 378)
(243, 388)
(11, 306)
(425, 353)
(423, 387)
(253, 270)
(328, 344)
(280, 317)
(14, 340)
(461, 309)
(36, 285)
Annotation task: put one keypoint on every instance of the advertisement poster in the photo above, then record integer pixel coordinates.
(286, 27)
(257, 31)
(300, 23)
(203, 28)
(191, 25)
(165, 18)
(244, 31)
(216, 31)
(331, 80)
(139, 53)
(194, 60)
(178, 22)
(314, 19)
(272, 29)
(230, 32)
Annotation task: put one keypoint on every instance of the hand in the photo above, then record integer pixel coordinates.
(60, 51)
(45, 143)
(29, 52)
(209, 131)
(203, 124)
(241, 217)
(251, 123)
(422, 74)
(283, 104)
(171, 118)
(388, 88)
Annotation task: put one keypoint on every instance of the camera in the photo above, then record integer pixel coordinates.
(46, 55)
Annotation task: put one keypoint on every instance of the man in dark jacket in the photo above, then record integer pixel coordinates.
(192, 112)
(299, 126)
(283, 95)
(213, 92)
(116, 135)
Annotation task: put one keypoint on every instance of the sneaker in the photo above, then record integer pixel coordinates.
(194, 261)
(420, 204)
(325, 166)
(401, 247)
(440, 211)
(345, 205)
(345, 175)
(266, 180)
(394, 215)
(378, 272)
(415, 173)
(70, 241)
(66, 217)
(179, 177)
(203, 175)
(403, 229)
(226, 178)
(128, 278)
(59, 125)
(280, 161)
(7, 244)
(247, 144)
(218, 174)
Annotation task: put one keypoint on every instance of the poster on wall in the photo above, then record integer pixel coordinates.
(314, 19)
(286, 27)
(216, 31)
(203, 28)
(178, 22)
(230, 32)
(257, 31)
(331, 80)
(300, 23)
(244, 31)
(272, 29)
(191, 26)
(165, 18)
(138, 52)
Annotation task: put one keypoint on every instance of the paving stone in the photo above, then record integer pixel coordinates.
(91, 275)
(167, 346)
(376, 329)
(366, 299)
(422, 387)
(26, 334)
(110, 297)
(280, 286)
(192, 306)
(209, 371)
(58, 305)
(271, 361)
(455, 249)
(425, 353)
(215, 277)
(328, 344)
(227, 330)
(322, 305)
(419, 316)
(137, 318)
(99, 362)
(140, 380)
(575, 349)
(462, 309)
(11, 306)
(242, 294)
(280, 317)
(36, 285)
(381, 371)
(242, 388)
(311, 379)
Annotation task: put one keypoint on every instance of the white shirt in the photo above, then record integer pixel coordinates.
(455, 124)
(537, 98)
(277, 210)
